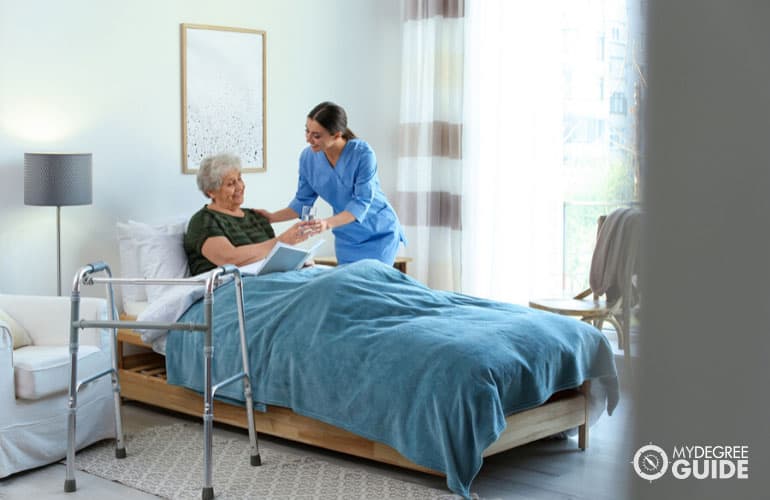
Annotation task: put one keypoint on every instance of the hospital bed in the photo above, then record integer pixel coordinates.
(144, 376)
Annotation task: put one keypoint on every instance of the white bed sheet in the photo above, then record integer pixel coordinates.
(167, 308)
(174, 301)
(134, 307)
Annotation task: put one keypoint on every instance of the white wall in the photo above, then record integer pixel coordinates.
(104, 77)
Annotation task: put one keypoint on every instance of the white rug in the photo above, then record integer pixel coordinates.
(167, 461)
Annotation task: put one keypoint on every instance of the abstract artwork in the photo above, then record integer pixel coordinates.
(223, 95)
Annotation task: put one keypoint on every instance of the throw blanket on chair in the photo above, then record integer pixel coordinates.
(615, 255)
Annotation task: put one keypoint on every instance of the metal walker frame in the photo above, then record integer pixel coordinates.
(85, 277)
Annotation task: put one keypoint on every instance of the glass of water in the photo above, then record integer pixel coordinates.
(308, 213)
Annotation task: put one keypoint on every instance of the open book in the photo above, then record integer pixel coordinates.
(282, 257)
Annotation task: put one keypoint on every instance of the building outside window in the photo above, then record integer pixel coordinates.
(618, 104)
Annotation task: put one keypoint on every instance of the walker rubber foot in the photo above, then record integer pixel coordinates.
(120, 453)
(256, 460)
(207, 493)
(70, 485)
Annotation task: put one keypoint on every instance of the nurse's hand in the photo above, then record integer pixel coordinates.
(315, 226)
(264, 213)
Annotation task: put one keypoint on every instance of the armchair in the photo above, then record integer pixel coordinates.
(34, 382)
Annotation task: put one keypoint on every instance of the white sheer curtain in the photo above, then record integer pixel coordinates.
(512, 196)
(550, 140)
(429, 185)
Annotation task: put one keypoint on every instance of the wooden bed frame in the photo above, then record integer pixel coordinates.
(143, 378)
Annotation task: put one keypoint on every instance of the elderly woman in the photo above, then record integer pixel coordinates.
(224, 233)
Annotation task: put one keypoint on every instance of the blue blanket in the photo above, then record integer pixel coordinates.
(368, 349)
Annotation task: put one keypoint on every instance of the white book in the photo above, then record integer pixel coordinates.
(281, 258)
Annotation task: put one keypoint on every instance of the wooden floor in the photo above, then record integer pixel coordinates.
(555, 470)
(547, 469)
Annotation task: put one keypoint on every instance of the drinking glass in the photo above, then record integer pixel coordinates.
(308, 212)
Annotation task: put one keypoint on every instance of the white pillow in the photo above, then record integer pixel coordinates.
(162, 256)
(18, 333)
(129, 264)
(128, 235)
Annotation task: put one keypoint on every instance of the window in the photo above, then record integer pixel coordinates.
(600, 48)
(617, 67)
(550, 138)
(578, 129)
(618, 104)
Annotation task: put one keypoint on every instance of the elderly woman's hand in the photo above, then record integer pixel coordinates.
(295, 234)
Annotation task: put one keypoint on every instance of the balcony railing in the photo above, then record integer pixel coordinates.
(579, 238)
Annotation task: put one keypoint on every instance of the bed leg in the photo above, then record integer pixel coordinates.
(583, 437)
(583, 429)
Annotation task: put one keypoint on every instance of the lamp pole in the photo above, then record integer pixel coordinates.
(58, 250)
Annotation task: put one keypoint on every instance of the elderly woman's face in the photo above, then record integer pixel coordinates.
(230, 193)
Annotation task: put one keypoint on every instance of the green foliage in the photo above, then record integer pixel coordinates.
(592, 190)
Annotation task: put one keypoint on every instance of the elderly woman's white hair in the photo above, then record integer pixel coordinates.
(213, 169)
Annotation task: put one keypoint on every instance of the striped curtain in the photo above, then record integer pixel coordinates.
(430, 164)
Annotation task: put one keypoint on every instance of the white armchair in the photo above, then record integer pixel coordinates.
(34, 381)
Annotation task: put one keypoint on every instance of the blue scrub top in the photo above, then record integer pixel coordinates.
(351, 185)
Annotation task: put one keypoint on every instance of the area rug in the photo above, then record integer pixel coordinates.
(167, 461)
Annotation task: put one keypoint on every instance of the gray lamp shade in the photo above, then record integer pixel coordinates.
(57, 179)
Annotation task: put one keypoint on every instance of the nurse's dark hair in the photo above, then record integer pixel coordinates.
(333, 118)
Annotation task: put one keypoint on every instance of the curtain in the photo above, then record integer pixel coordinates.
(551, 120)
(429, 186)
(512, 194)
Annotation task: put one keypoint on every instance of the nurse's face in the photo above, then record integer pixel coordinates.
(318, 137)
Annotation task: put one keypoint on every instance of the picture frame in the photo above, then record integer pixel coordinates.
(223, 95)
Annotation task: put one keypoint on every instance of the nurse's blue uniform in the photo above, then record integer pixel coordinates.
(351, 185)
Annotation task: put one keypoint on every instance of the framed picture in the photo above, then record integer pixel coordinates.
(223, 95)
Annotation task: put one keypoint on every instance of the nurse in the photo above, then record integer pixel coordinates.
(342, 169)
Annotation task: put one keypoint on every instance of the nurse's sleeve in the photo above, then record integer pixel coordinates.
(364, 186)
(305, 195)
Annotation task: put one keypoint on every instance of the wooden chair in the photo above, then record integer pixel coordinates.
(594, 309)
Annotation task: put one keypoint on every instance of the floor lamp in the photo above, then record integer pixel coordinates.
(57, 180)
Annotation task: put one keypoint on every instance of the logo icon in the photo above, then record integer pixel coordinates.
(650, 462)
